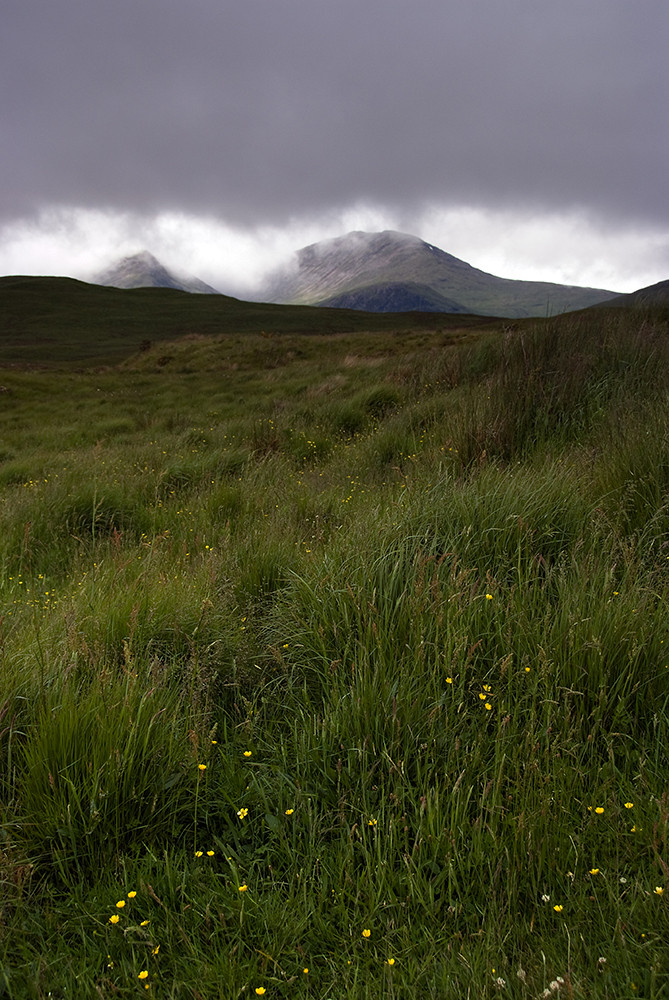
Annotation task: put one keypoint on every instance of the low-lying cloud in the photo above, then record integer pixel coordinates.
(569, 249)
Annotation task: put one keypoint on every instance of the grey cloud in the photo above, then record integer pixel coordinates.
(258, 110)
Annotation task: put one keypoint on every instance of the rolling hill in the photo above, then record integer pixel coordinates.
(648, 297)
(46, 321)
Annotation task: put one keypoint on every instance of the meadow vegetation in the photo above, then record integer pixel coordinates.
(338, 667)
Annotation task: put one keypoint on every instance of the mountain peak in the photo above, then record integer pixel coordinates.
(143, 270)
(370, 268)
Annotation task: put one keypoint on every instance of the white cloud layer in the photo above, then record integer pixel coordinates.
(569, 248)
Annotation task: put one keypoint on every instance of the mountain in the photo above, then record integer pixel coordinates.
(358, 266)
(395, 296)
(651, 295)
(143, 270)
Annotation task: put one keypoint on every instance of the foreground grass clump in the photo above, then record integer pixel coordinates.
(345, 676)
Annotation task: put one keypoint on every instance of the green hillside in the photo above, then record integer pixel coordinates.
(336, 667)
(60, 320)
(651, 297)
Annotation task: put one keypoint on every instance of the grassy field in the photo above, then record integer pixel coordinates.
(338, 667)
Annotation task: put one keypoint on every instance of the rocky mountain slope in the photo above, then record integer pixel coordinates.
(360, 270)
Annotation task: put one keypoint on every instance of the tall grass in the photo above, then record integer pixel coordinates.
(364, 696)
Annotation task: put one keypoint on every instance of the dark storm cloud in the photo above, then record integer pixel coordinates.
(257, 110)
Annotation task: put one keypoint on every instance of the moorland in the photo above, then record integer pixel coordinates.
(335, 662)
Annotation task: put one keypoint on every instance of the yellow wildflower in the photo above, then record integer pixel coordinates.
(658, 890)
(366, 933)
(121, 904)
(202, 767)
(131, 895)
(260, 990)
(248, 753)
(558, 908)
(114, 919)
(242, 813)
(143, 974)
(242, 888)
(599, 810)
(289, 812)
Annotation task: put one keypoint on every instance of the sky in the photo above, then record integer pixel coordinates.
(528, 137)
